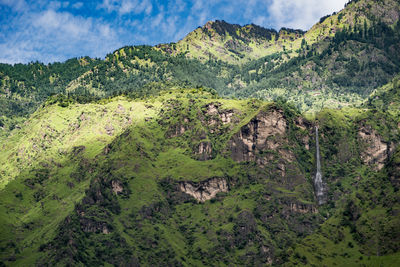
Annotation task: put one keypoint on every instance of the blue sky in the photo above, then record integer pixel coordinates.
(50, 31)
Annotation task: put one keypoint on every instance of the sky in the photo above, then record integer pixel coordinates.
(50, 31)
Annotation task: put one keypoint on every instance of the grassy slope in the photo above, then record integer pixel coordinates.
(174, 163)
(48, 158)
(151, 222)
(52, 133)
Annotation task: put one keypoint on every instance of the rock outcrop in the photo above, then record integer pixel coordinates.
(264, 132)
(304, 125)
(213, 110)
(216, 118)
(217, 121)
(375, 151)
(117, 187)
(206, 190)
(205, 151)
(302, 208)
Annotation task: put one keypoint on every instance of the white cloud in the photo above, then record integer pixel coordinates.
(178, 5)
(127, 6)
(17, 5)
(197, 5)
(15, 52)
(261, 20)
(52, 35)
(55, 5)
(157, 20)
(77, 5)
(250, 7)
(106, 31)
(301, 13)
(63, 24)
(109, 5)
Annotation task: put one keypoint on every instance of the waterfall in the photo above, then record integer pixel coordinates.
(319, 187)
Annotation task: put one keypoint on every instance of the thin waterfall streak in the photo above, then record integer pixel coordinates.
(317, 144)
(318, 184)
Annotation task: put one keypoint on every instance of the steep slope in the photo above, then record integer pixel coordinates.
(24, 87)
(342, 59)
(129, 70)
(198, 180)
(53, 133)
(361, 14)
(386, 98)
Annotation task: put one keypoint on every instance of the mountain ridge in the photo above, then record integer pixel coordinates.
(231, 42)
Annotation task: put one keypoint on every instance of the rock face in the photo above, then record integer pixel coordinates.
(375, 152)
(89, 226)
(204, 190)
(205, 151)
(217, 121)
(302, 208)
(215, 116)
(116, 187)
(263, 132)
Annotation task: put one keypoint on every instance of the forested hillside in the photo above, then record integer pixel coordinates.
(337, 63)
(187, 178)
(204, 152)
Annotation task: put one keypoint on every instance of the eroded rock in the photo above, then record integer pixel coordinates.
(212, 109)
(205, 151)
(116, 186)
(206, 190)
(263, 132)
(217, 116)
(302, 208)
(304, 125)
(375, 152)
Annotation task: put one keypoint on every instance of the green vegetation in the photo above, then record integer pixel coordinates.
(188, 155)
(117, 200)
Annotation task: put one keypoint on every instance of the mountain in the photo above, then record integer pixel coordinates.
(188, 178)
(232, 43)
(338, 62)
(204, 152)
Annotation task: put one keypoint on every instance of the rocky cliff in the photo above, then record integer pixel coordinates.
(375, 152)
(205, 190)
(263, 132)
